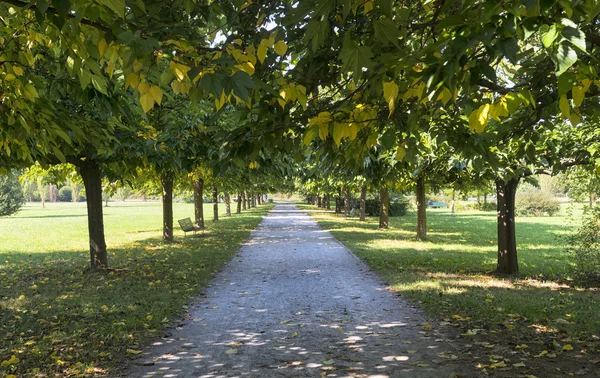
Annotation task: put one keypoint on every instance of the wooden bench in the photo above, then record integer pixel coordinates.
(187, 226)
(436, 204)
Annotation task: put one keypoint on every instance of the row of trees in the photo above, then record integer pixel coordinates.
(415, 93)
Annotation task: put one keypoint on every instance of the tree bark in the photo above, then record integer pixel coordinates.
(239, 203)
(259, 198)
(166, 180)
(254, 200)
(347, 203)
(384, 200)
(363, 203)
(592, 200)
(92, 180)
(198, 185)
(318, 201)
(507, 241)
(215, 195)
(453, 198)
(328, 202)
(421, 210)
(338, 202)
(227, 204)
(243, 199)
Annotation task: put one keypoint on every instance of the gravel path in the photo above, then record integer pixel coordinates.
(296, 303)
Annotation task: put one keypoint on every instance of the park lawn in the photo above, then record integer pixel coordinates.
(450, 275)
(58, 318)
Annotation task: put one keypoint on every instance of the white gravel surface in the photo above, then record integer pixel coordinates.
(294, 302)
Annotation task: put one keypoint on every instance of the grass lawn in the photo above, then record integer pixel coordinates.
(57, 318)
(450, 275)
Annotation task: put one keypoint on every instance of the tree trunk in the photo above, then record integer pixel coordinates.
(215, 195)
(92, 180)
(198, 185)
(166, 180)
(338, 202)
(485, 198)
(253, 200)
(243, 199)
(318, 201)
(347, 203)
(592, 200)
(328, 202)
(363, 203)
(227, 204)
(478, 199)
(259, 198)
(239, 203)
(384, 200)
(507, 241)
(421, 210)
(453, 197)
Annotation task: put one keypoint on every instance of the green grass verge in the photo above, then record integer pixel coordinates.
(449, 275)
(57, 318)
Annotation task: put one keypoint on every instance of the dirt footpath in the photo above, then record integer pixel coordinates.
(295, 303)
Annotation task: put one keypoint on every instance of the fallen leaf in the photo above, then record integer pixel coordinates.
(567, 347)
(134, 352)
(231, 351)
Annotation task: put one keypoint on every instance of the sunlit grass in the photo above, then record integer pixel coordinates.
(451, 273)
(60, 319)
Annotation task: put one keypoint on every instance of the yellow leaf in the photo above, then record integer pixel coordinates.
(567, 347)
(13, 360)
(281, 48)
(21, 298)
(281, 102)
(323, 131)
(9, 77)
(134, 352)
(102, 47)
(147, 102)
(400, 153)
(246, 67)
(179, 70)
(426, 327)
(156, 94)
(445, 96)
(137, 65)
(11, 376)
(261, 53)
(575, 119)
(143, 88)
(133, 81)
(149, 317)
(498, 365)
(564, 107)
(368, 6)
(390, 93)
(17, 70)
(479, 118)
(578, 95)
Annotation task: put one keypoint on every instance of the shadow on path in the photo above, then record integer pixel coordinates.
(295, 303)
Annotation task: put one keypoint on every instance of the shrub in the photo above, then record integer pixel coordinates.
(536, 203)
(65, 194)
(372, 206)
(11, 194)
(584, 246)
(487, 206)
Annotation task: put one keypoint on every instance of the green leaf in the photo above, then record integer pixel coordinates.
(549, 35)
(575, 36)
(310, 134)
(355, 57)
(117, 6)
(100, 84)
(390, 93)
(565, 57)
(316, 33)
(386, 31)
(241, 82)
(212, 83)
(509, 48)
(62, 8)
(386, 7)
(564, 106)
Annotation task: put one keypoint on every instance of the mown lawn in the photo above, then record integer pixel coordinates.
(450, 274)
(57, 318)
